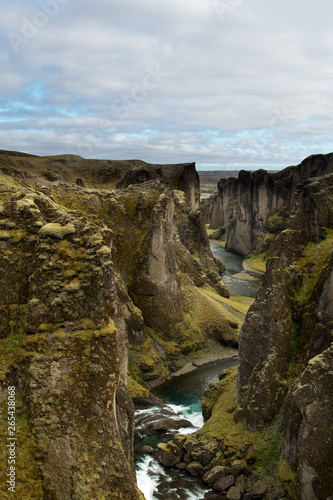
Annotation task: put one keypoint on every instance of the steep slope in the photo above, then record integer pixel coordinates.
(100, 274)
(60, 351)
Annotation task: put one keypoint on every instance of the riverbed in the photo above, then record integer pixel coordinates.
(182, 397)
(182, 400)
(235, 276)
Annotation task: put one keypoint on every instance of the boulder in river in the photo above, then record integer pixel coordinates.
(170, 423)
(168, 454)
(215, 474)
(195, 469)
(145, 450)
(225, 483)
(234, 493)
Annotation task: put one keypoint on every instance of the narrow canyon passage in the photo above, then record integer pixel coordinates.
(183, 396)
(183, 401)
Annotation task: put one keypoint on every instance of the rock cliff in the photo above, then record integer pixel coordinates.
(268, 428)
(286, 355)
(103, 272)
(250, 210)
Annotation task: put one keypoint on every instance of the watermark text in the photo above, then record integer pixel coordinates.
(30, 27)
(11, 438)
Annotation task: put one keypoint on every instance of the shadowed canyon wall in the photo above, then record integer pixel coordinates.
(108, 285)
(268, 431)
(286, 349)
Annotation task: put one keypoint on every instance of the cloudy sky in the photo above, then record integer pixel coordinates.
(228, 84)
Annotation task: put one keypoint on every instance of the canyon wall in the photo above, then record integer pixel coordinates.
(250, 210)
(268, 432)
(286, 342)
(102, 275)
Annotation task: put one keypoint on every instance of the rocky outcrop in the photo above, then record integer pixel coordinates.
(109, 174)
(58, 298)
(225, 456)
(207, 460)
(286, 355)
(307, 429)
(162, 418)
(212, 393)
(276, 421)
(100, 275)
(250, 210)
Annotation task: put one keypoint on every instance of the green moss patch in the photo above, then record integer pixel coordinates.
(9, 348)
(55, 230)
(237, 303)
(313, 260)
(28, 478)
(221, 424)
(136, 390)
(146, 365)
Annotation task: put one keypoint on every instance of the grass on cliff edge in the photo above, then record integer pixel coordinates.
(235, 307)
(205, 330)
(212, 234)
(257, 261)
(221, 423)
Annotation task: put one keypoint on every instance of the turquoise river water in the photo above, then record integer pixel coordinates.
(182, 397)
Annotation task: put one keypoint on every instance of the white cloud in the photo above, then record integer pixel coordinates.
(219, 82)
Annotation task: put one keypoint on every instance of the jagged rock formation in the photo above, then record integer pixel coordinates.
(59, 307)
(286, 350)
(276, 423)
(101, 264)
(251, 209)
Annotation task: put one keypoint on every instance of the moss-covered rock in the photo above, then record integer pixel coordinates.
(100, 267)
(61, 353)
(307, 429)
(286, 340)
(55, 230)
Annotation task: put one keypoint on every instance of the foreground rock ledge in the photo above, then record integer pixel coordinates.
(203, 458)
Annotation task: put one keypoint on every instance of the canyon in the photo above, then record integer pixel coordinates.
(273, 416)
(104, 267)
(109, 286)
(249, 210)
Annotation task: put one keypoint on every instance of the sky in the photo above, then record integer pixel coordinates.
(228, 84)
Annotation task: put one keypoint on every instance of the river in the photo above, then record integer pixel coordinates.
(182, 397)
(233, 263)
